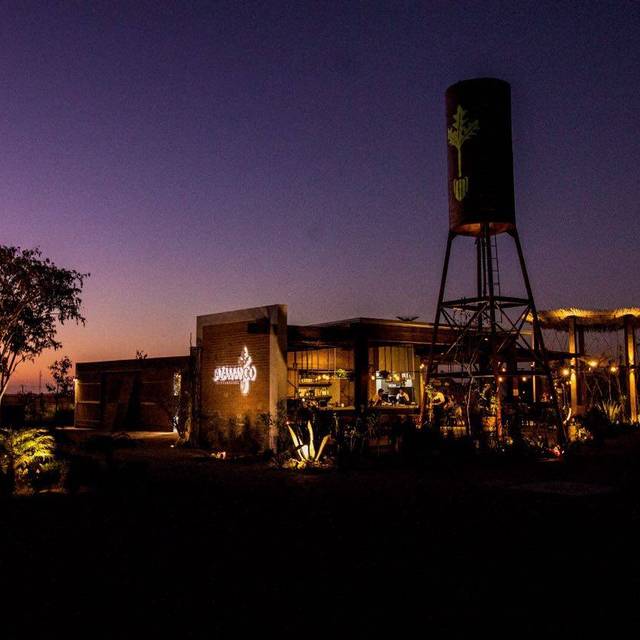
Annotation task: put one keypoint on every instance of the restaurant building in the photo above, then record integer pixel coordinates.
(251, 362)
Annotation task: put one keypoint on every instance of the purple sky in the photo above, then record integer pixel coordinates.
(201, 158)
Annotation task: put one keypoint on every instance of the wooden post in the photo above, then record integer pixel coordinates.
(630, 361)
(361, 366)
(573, 348)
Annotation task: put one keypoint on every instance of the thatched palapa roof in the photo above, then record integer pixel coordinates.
(588, 319)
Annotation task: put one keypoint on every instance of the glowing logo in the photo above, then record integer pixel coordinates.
(458, 134)
(243, 374)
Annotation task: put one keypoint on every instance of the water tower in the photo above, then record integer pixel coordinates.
(491, 345)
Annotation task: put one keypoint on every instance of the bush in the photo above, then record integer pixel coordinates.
(50, 475)
(279, 423)
(595, 421)
(23, 455)
(236, 436)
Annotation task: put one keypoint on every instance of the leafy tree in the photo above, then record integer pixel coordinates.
(141, 355)
(35, 296)
(63, 381)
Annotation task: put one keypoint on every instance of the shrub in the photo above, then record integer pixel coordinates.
(237, 435)
(279, 423)
(23, 455)
(595, 421)
(50, 475)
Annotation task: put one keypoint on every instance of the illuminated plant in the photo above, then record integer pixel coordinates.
(24, 452)
(577, 432)
(611, 409)
(307, 453)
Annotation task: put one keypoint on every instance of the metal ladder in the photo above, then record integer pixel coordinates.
(495, 264)
(495, 268)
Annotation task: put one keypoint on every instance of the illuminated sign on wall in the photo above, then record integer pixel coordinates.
(244, 373)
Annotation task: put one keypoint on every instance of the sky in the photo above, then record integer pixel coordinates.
(199, 157)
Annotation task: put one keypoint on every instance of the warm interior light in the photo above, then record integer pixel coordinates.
(593, 363)
(613, 368)
(524, 378)
(566, 372)
(500, 379)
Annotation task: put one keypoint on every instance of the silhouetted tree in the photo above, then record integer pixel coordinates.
(62, 386)
(35, 297)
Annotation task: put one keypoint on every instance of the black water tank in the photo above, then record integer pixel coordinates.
(480, 156)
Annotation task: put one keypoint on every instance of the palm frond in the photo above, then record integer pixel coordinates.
(26, 447)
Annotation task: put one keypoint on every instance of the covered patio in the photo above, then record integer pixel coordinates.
(617, 359)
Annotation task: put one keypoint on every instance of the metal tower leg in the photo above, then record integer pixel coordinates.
(492, 319)
(539, 340)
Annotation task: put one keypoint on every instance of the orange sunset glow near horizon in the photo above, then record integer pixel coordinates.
(196, 158)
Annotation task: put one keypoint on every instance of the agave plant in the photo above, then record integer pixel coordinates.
(307, 452)
(612, 410)
(24, 451)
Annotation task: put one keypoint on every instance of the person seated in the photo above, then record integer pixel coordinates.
(402, 397)
(448, 409)
(448, 403)
(378, 398)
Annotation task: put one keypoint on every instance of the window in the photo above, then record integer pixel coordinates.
(394, 376)
(321, 377)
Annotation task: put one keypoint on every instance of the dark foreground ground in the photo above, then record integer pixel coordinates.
(178, 544)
